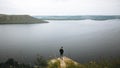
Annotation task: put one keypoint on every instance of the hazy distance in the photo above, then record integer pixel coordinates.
(60, 7)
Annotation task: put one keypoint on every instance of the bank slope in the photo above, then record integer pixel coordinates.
(19, 19)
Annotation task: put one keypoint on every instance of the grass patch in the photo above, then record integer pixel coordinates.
(71, 64)
(55, 64)
(115, 63)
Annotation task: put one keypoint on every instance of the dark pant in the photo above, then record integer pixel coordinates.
(61, 54)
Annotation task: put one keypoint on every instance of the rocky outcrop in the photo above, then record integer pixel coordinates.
(63, 62)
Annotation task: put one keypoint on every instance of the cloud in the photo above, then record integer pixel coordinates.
(60, 7)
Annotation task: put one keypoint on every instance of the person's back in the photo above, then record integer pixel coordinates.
(61, 51)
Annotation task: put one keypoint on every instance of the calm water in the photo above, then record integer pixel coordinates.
(82, 40)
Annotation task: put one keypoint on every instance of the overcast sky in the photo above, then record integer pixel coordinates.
(60, 7)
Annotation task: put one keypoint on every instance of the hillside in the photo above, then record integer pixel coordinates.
(63, 62)
(19, 19)
(66, 62)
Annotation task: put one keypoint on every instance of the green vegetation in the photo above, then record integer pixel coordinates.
(56, 64)
(19, 19)
(11, 63)
(114, 63)
(41, 62)
(103, 63)
(72, 64)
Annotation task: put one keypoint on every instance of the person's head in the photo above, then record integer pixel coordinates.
(62, 47)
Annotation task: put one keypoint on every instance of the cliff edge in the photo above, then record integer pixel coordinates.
(63, 62)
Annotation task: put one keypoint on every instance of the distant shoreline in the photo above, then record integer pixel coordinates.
(84, 17)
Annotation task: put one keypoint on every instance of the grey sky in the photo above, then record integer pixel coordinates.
(60, 7)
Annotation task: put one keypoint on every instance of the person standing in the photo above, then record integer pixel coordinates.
(61, 52)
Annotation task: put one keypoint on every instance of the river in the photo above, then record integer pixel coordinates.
(82, 40)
